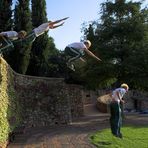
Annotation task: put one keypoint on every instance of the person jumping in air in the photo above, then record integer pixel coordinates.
(76, 50)
(12, 37)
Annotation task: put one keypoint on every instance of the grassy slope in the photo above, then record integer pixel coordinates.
(133, 137)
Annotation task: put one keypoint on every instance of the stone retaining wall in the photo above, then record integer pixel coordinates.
(48, 101)
(38, 101)
(135, 100)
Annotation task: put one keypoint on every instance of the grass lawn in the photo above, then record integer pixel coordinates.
(133, 137)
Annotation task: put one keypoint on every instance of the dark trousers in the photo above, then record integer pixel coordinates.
(115, 119)
(5, 44)
(72, 54)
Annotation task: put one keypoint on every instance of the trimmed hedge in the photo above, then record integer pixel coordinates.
(9, 103)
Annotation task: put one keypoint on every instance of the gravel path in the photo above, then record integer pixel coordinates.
(75, 135)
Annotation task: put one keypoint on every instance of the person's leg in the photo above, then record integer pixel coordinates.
(72, 55)
(112, 118)
(120, 123)
(115, 119)
(8, 45)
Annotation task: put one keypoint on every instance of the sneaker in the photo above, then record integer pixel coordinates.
(120, 136)
(71, 66)
(115, 135)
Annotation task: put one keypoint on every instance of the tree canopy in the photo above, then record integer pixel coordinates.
(120, 39)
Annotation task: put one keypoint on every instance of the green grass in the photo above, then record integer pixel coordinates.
(133, 137)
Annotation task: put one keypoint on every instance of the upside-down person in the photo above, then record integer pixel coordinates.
(76, 50)
(12, 37)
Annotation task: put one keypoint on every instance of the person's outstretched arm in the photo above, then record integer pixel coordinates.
(82, 59)
(52, 27)
(51, 24)
(57, 21)
(46, 26)
(91, 54)
(121, 100)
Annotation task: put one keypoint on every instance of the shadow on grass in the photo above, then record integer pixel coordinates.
(104, 143)
(101, 144)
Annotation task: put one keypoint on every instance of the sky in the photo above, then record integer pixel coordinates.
(78, 11)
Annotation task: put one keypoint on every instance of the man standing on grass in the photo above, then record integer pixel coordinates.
(115, 109)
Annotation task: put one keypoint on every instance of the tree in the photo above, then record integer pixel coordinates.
(5, 18)
(19, 58)
(40, 45)
(5, 15)
(119, 37)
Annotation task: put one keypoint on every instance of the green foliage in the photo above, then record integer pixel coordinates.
(22, 56)
(39, 14)
(22, 16)
(43, 47)
(133, 137)
(5, 15)
(19, 58)
(9, 106)
(120, 40)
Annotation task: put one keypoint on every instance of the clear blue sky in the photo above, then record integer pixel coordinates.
(78, 11)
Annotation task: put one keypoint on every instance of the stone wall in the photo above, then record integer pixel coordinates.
(37, 101)
(76, 101)
(48, 101)
(134, 100)
(89, 96)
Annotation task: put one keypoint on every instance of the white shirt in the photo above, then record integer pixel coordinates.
(77, 45)
(41, 29)
(13, 35)
(121, 92)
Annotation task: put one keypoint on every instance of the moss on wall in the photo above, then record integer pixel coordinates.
(35, 101)
(9, 106)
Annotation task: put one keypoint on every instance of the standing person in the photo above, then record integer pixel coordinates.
(12, 37)
(76, 50)
(115, 109)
